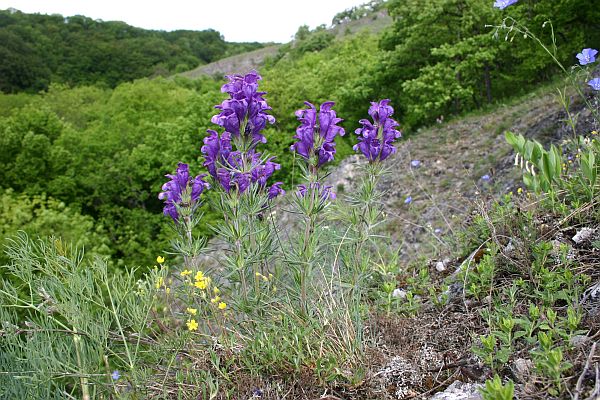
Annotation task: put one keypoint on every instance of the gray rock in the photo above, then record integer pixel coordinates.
(579, 340)
(521, 368)
(459, 391)
(584, 235)
(440, 266)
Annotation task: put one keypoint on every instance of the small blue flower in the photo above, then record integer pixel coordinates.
(408, 200)
(485, 178)
(587, 56)
(437, 231)
(502, 4)
(595, 83)
(115, 375)
(415, 163)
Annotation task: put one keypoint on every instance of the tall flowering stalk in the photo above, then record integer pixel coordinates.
(181, 195)
(241, 173)
(376, 140)
(315, 144)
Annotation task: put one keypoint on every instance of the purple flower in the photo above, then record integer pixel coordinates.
(316, 133)
(502, 4)
(415, 163)
(437, 231)
(587, 56)
(485, 178)
(115, 375)
(595, 83)
(261, 170)
(215, 150)
(324, 192)
(376, 140)
(179, 184)
(233, 169)
(245, 112)
(276, 190)
(408, 200)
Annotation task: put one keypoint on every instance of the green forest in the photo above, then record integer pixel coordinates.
(38, 50)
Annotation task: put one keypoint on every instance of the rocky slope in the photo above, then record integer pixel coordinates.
(439, 173)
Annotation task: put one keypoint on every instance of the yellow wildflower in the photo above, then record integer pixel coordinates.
(216, 290)
(520, 190)
(185, 272)
(215, 299)
(222, 306)
(257, 273)
(201, 284)
(191, 311)
(159, 282)
(192, 325)
(160, 259)
(199, 276)
(168, 290)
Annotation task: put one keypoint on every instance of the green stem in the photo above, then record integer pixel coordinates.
(85, 389)
(118, 321)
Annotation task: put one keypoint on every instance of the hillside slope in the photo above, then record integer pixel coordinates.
(255, 59)
(455, 160)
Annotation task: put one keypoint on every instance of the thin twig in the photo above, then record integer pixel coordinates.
(578, 388)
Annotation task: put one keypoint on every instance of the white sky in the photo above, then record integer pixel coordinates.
(236, 20)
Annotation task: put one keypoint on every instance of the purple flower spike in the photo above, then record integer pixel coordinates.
(587, 56)
(317, 131)
(245, 112)
(180, 183)
(276, 190)
(502, 4)
(376, 140)
(595, 83)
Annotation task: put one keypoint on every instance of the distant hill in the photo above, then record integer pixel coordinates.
(344, 24)
(37, 49)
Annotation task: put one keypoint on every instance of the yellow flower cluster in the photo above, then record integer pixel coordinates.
(201, 281)
(264, 278)
(192, 325)
(191, 311)
(159, 282)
